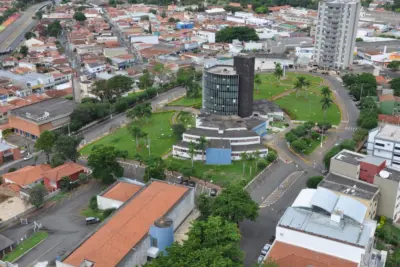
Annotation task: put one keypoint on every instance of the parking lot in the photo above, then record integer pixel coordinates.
(62, 219)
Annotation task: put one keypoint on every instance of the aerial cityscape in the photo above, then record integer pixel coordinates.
(195, 133)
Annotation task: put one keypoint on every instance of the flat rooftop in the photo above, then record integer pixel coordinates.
(392, 174)
(117, 236)
(318, 224)
(351, 187)
(122, 191)
(373, 160)
(222, 69)
(225, 134)
(265, 107)
(45, 111)
(389, 132)
(349, 157)
(228, 122)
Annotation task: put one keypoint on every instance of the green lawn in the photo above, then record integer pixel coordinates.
(278, 124)
(26, 245)
(158, 129)
(187, 119)
(300, 108)
(187, 102)
(222, 175)
(314, 144)
(88, 212)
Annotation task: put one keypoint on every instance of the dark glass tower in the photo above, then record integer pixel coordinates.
(244, 66)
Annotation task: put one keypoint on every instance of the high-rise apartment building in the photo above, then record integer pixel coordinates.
(336, 33)
(228, 90)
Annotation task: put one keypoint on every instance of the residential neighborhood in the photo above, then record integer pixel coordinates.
(199, 133)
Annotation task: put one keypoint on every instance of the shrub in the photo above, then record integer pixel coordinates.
(313, 181)
(271, 156)
(290, 137)
(315, 135)
(108, 212)
(12, 169)
(93, 203)
(262, 164)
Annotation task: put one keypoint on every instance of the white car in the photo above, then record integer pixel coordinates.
(265, 249)
(260, 259)
(28, 156)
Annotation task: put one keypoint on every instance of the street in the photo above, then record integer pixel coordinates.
(63, 221)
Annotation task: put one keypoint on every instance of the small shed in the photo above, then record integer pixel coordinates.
(6, 245)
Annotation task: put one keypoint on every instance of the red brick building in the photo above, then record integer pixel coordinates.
(369, 167)
(53, 177)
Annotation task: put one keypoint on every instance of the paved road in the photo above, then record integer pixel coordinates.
(64, 223)
(291, 177)
(14, 34)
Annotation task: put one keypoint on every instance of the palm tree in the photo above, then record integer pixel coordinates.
(300, 83)
(135, 132)
(202, 145)
(326, 102)
(244, 157)
(257, 81)
(325, 91)
(278, 72)
(251, 159)
(192, 151)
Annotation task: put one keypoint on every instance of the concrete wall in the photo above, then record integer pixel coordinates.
(388, 196)
(318, 244)
(342, 168)
(107, 203)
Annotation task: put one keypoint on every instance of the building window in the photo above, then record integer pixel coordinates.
(153, 242)
(379, 144)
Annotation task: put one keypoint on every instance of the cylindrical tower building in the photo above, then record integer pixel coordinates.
(162, 233)
(221, 90)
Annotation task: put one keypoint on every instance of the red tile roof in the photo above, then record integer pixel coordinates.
(391, 119)
(109, 244)
(67, 169)
(27, 175)
(122, 191)
(289, 255)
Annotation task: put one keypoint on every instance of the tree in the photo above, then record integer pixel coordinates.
(65, 184)
(144, 18)
(313, 181)
(300, 83)
(12, 169)
(359, 39)
(39, 15)
(103, 161)
(395, 85)
(244, 157)
(299, 145)
(178, 130)
(45, 142)
(226, 35)
(136, 132)
(67, 146)
(36, 195)
(155, 168)
(324, 126)
(204, 205)
(257, 81)
(79, 16)
(57, 160)
(189, 78)
(162, 72)
(326, 101)
(272, 156)
(278, 71)
(163, 14)
(192, 151)
(153, 11)
(114, 87)
(290, 137)
(24, 50)
(171, 20)
(146, 80)
(83, 178)
(235, 204)
(261, 10)
(54, 29)
(202, 145)
(140, 111)
(394, 65)
(30, 35)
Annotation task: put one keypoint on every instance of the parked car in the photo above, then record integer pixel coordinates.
(213, 192)
(265, 249)
(28, 156)
(92, 220)
(260, 259)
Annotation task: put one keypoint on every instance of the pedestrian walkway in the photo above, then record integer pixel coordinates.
(278, 192)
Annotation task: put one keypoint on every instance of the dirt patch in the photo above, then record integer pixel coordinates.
(12, 207)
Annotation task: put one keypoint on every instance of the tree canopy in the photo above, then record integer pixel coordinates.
(114, 87)
(228, 34)
(394, 65)
(103, 161)
(36, 195)
(45, 142)
(67, 146)
(79, 16)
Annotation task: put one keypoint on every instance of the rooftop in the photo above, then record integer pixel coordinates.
(265, 107)
(67, 169)
(122, 191)
(225, 134)
(27, 175)
(319, 224)
(389, 132)
(219, 143)
(350, 187)
(122, 232)
(45, 111)
(349, 157)
(289, 255)
(222, 69)
(228, 122)
(373, 160)
(390, 174)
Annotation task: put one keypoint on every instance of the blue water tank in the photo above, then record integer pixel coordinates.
(162, 233)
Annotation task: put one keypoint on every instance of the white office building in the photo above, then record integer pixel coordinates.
(384, 142)
(336, 33)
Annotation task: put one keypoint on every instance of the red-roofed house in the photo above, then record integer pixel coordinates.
(53, 177)
(26, 177)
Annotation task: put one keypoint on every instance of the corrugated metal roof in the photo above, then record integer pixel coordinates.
(324, 199)
(351, 208)
(303, 199)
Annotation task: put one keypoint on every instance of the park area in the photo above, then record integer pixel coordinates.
(159, 131)
(25, 246)
(299, 106)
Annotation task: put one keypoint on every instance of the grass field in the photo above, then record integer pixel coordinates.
(187, 119)
(313, 146)
(26, 245)
(222, 175)
(159, 132)
(300, 108)
(187, 102)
